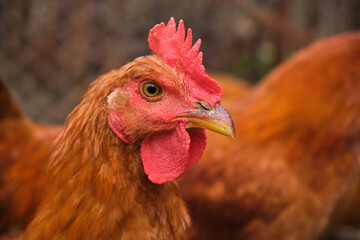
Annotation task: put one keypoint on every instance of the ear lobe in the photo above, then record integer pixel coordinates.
(114, 121)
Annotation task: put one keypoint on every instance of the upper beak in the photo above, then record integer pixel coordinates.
(215, 119)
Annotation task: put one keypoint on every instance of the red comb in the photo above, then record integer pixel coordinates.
(170, 44)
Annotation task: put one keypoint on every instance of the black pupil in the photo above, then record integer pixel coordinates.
(151, 89)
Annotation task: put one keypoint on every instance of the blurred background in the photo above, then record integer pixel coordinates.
(52, 50)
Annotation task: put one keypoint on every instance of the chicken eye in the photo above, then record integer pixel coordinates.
(151, 90)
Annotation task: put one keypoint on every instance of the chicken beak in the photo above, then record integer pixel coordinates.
(215, 119)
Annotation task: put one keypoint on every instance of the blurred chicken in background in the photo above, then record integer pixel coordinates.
(24, 149)
(296, 153)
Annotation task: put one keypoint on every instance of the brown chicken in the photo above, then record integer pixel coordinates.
(110, 172)
(296, 153)
(24, 149)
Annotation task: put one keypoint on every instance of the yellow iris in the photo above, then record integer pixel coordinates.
(151, 90)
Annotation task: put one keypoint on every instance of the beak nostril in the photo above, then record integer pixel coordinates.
(205, 105)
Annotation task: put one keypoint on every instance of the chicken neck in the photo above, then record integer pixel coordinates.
(98, 188)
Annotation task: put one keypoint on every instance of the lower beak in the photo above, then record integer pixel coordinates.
(215, 119)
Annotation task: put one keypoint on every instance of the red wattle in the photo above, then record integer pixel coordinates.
(114, 121)
(167, 155)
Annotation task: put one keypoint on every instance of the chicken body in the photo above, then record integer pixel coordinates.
(98, 188)
(296, 153)
(24, 150)
(109, 173)
(92, 197)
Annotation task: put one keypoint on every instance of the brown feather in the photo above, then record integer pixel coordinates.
(97, 187)
(24, 150)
